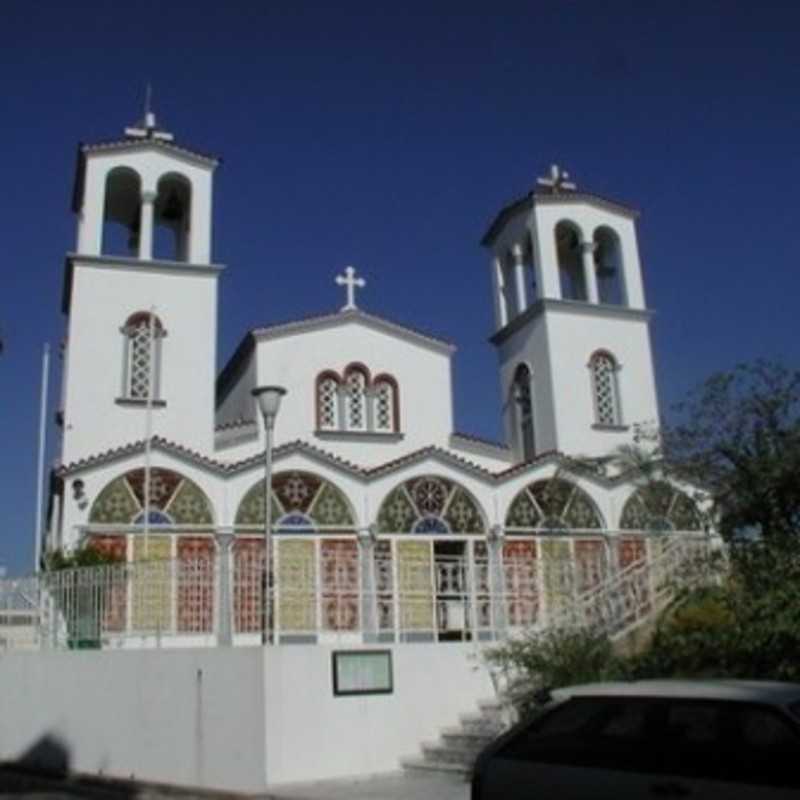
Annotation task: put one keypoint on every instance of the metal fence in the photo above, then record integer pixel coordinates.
(347, 596)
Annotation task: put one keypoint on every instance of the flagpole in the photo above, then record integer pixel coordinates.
(37, 556)
(148, 435)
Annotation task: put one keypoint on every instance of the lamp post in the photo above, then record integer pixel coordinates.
(269, 401)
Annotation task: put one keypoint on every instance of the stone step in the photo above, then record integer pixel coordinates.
(419, 764)
(480, 723)
(466, 740)
(440, 753)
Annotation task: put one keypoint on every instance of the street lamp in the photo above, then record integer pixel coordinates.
(269, 401)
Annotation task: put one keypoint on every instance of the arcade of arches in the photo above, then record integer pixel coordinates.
(430, 547)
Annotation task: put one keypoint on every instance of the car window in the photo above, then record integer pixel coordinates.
(598, 732)
(729, 741)
(795, 709)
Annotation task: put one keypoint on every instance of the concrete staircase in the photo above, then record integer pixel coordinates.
(458, 746)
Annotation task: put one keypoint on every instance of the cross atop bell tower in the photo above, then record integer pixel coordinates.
(147, 128)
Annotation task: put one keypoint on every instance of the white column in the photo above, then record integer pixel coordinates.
(496, 576)
(224, 539)
(519, 276)
(498, 283)
(146, 226)
(366, 559)
(589, 271)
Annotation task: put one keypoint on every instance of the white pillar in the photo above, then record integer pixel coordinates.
(498, 284)
(519, 275)
(589, 271)
(366, 559)
(146, 226)
(496, 580)
(224, 538)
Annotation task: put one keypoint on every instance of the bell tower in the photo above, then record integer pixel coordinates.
(140, 295)
(571, 324)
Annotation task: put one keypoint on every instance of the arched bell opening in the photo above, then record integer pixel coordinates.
(608, 266)
(171, 218)
(121, 212)
(570, 263)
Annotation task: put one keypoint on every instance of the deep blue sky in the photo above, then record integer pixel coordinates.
(386, 136)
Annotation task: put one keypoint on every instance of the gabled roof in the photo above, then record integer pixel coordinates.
(337, 318)
(547, 197)
(317, 322)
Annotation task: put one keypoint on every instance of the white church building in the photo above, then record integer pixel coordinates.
(374, 492)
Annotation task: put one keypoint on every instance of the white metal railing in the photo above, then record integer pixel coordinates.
(351, 595)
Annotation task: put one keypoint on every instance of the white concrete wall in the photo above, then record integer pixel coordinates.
(311, 734)
(192, 717)
(237, 719)
(573, 338)
(103, 297)
(423, 376)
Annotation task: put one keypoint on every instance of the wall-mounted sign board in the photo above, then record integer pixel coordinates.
(362, 672)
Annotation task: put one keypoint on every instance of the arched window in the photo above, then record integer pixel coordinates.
(328, 384)
(300, 500)
(357, 403)
(660, 507)
(552, 505)
(172, 500)
(121, 212)
(386, 410)
(523, 407)
(143, 334)
(171, 218)
(608, 266)
(605, 391)
(570, 262)
(430, 504)
(356, 381)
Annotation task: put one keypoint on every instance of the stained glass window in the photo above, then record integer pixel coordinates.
(550, 506)
(659, 507)
(142, 357)
(299, 499)
(173, 499)
(430, 504)
(604, 383)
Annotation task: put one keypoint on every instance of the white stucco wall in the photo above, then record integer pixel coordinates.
(294, 361)
(237, 719)
(192, 717)
(311, 734)
(103, 297)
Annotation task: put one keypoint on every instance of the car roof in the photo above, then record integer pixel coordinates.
(773, 692)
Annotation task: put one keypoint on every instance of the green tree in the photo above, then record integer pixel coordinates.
(739, 438)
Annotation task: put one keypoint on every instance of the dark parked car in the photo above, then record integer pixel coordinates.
(735, 740)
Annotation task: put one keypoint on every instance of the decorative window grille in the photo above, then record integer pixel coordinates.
(328, 404)
(142, 357)
(384, 406)
(524, 401)
(356, 387)
(604, 380)
(357, 402)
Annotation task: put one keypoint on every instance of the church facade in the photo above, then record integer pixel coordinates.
(373, 491)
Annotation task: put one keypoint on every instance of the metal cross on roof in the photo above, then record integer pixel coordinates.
(351, 282)
(558, 179)
(147, 127)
